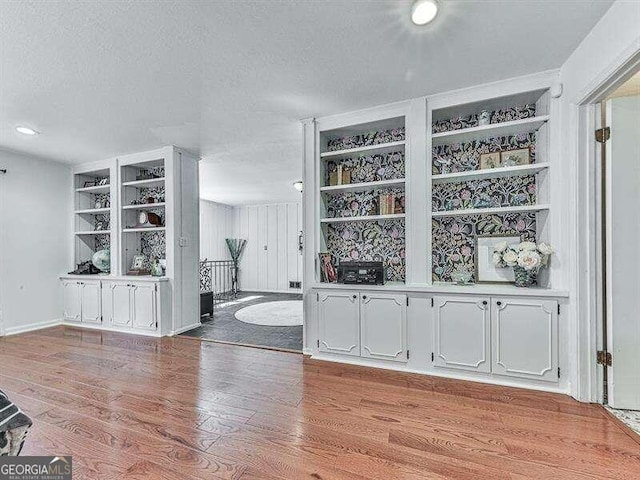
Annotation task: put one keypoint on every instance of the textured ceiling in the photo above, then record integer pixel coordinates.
(230, 80)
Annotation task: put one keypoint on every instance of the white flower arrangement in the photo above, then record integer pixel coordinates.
(527, 255)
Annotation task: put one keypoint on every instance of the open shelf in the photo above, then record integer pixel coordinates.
(94, 232)
(143, 229)
(490, 211)
(364, 218)
(93, 211)
(144, 206)
(359, 187)
(465, 135)
(96, 189)
(350, 152)
(151, 182)
(518, 170)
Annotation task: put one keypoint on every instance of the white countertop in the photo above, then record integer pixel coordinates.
(448, 288)
(109, 277)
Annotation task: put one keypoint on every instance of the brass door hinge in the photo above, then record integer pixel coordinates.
(604, 358)
(603, 134)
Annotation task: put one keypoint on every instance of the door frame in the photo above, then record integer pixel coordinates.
(585, 108)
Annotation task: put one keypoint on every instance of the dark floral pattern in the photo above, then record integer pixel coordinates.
(102, 242)
(354, 204)
(454, 239)
(370, 241)
(371, 168)
(153, 245)
(366, 139)
(157, 193)
(493, 192)
(462, 157)
(497, 116)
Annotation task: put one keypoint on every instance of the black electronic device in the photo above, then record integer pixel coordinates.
(366, 273)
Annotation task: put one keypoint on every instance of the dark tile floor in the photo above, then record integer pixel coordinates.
(225, 327)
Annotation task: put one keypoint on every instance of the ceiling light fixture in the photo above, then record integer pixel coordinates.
(299, 185)
(26, 130)
(423, 11)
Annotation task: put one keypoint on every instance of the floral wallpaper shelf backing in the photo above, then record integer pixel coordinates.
(462, 157)
(497, 116)
(454, 239)
(371, 241)
(493, 192)
(371, 168)
(354, 204)
(366, 139)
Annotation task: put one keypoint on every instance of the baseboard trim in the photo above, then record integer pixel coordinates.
(102, 328)
(185, 329)
(32, 327)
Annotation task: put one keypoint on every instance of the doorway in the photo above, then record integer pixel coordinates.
(619, 139)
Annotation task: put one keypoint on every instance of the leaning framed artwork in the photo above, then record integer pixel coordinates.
(486, 270)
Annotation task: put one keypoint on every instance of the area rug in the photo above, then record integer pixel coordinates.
(273, 314)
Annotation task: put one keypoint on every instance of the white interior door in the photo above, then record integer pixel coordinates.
(623, 261)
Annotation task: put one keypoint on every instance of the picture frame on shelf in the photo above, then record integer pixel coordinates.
(103, 181)
(490, 160)
(89, 184)
(328, 272)
(485, 269)
(514, 158)
(138, 262)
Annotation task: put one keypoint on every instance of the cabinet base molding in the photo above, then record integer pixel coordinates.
(490, 380)
(103, 328)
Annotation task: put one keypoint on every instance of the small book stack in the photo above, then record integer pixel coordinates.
(387, 204)
(341, 176)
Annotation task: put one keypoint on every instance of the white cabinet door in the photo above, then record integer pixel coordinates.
(143, 308)
(462, 333)
(339, 322)
(383, 326)
(525, 338)
(72, 303)
(90, 295)
(119, 304)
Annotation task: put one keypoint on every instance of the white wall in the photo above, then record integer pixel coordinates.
(271, 258)
(610, 44)
(216, 224)
(35, 240)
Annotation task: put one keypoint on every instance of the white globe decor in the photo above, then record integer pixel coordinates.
(102, 260)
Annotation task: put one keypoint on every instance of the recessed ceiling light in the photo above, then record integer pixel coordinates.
(26, 130)
(423, 11)
(299, 185)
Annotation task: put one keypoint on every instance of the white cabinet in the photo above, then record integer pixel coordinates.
(383, 326)
(118, 301)
(363, 324)
(90, 300)
(462, 333)
(143, 306)
(71, 301)
(339, 322)
(525, 342)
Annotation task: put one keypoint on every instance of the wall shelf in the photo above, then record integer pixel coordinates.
(364, 218)
(151, 182)
(143, 229)
(465, 135)
(144, 206)
(519, 170)
(93, 211)
(359, 187)
(94, 232)
(96, 189)
(350, 152)
(491, 211)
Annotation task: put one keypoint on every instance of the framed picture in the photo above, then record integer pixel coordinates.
(328, 272)
(490, 160)
(513, 158)
(89, 184)
(104, 181)
(486, 271)
(138, 262)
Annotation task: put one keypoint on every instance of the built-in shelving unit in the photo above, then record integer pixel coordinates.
(364, 218)
(363, 186)
(145, 206)
(469, 179)
(380, 148)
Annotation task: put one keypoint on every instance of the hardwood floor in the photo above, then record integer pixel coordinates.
(175, 408)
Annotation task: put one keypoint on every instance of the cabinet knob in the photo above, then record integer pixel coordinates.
(355, 296)
(498, 303)
(364, 297)
(484, 302)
